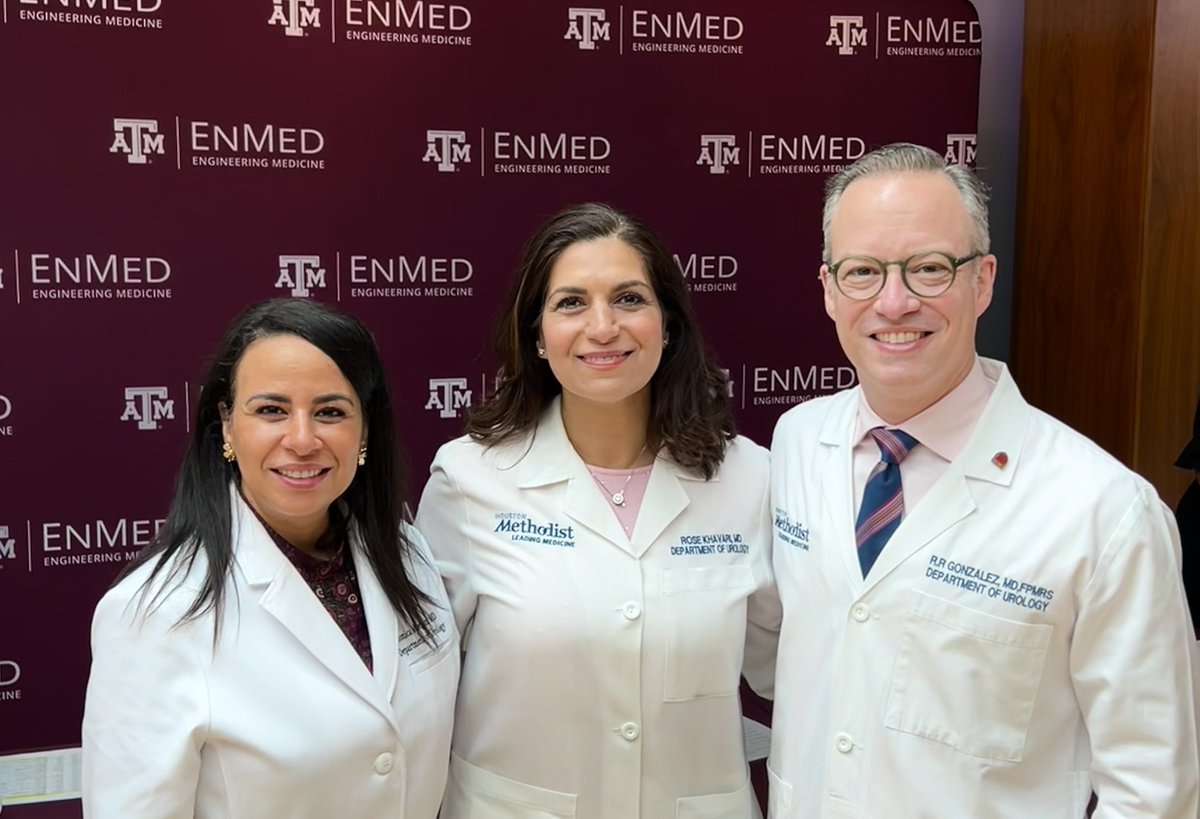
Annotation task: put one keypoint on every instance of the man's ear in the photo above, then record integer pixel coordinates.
(985, 279)
(827, 286)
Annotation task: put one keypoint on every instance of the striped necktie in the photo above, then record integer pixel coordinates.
(883, 496)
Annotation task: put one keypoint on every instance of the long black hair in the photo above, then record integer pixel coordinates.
(200, 520)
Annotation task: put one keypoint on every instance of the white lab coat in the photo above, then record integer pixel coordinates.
(283, 719)
(601, 674)
(1022, 639)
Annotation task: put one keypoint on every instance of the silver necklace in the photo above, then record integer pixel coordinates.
(618, 498)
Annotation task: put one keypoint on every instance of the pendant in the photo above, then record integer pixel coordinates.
(619, 498)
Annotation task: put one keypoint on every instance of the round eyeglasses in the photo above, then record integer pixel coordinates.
(925, 274)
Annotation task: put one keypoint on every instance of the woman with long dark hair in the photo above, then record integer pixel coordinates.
(283, 647)
(605, 540)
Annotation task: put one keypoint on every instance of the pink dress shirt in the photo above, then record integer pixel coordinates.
(942, 429)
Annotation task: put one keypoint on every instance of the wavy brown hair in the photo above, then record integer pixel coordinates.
(690, 415)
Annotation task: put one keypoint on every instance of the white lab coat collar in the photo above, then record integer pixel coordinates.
(288, 598)
(548, 458)
(1001, 430)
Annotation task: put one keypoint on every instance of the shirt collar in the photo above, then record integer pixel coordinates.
(943, 427)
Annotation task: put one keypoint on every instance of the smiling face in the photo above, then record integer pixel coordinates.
(295, 425)
(601, 325)
(909, 352)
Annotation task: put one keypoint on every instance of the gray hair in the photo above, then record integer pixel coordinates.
(904, 157)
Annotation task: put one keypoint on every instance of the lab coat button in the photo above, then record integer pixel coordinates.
(630, 731)
(632, 611)
(845, 743)
(861, 613)
(383, 764)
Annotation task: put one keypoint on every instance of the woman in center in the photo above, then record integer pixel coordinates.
(605, 540)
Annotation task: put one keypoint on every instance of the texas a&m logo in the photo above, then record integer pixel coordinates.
(847, 32)
(300, 274)
(138, 139)
(449, 396)
(718, 152)
(148, 406)
(588, 27)
(295, 16)
(447, 148)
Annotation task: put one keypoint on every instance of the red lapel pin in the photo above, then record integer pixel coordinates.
(1000, 459)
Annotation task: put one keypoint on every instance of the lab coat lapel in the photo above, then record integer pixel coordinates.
(552, 459)
(664, 500)
(285, 596)
(382, 624)
(1001, 428)
(946, 503)
(585, 504)
(836, 483)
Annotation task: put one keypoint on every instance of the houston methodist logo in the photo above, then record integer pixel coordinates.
(588, 27)
(138, 139)
(718, 151)
(295, 16)
(847, 32)
(8, 545)
(447, 148)
(148, 406)
(960, 149)
(300, 274)
(448, 396)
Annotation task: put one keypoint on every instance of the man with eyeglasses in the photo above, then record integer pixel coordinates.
(983, 613)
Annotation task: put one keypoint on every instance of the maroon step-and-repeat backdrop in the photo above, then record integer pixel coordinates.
(164, 163)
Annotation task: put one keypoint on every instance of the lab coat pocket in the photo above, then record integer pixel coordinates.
(779, 801)
(967, 678)
(737, 804)
(705, 611)
(474, 793)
